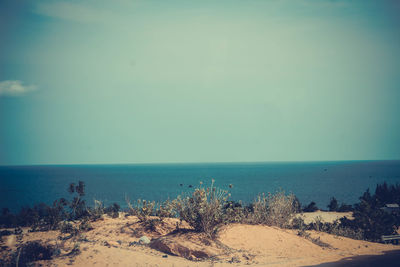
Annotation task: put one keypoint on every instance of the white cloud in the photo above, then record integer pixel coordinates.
(14, 88)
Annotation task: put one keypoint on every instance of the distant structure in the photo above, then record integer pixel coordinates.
(391, 208)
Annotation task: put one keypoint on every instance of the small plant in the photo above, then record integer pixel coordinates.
(151, 224)
(258, 211)
(298, 223)
(144, 209)
(29, 252)
(310, 207)
(166, 210)
(234, 212)
(333, 205)
(318, 224)
(97, 211)
(203, 210)
(335, 228)
(77, 205)
(56, 213)
(317, 241)
(273, 209)
(68, 228)
(345, 208)
(75, 250)
(113, 210)
(280, 209)
(85, 226)
(338, 228)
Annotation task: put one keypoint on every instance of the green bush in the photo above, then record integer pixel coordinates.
(97, 211)
(310, 207)
(373, 221)
(280, 209)
(142, 209)
(273, 209)
(77, 205)
(234, 212)
(203, 209)
(165, 209)
(113, 210)
(333, 205)
(28, 253)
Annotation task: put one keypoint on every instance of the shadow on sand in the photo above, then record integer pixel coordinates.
(389, 258)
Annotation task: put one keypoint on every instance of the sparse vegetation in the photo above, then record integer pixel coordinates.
(334, 206)
(272, 209)
(335, 228)
(311, 207)
(203, 209)
(28, 253)
(113, 210)
(370, 222)
(43, 217)
(206, 208)
(234, 212)
(280, 209)
(371, 218)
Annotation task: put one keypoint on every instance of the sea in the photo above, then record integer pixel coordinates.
(310, 181)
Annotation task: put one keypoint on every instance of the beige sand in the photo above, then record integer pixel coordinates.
(324, 216)
(108, 244)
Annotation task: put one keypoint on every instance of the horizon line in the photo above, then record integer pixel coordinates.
(199, 162)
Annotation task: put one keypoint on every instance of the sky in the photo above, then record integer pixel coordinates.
(98, 82)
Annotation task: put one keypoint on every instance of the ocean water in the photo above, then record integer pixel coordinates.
(309, 181)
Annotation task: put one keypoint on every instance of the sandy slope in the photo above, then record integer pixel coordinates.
(110, 244)
(325, 216)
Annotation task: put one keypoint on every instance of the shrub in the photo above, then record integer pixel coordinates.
(310, 207)
(142, 209)
(339, 229)
(273, 209)
(97, 211)
(258, 210)
(203, 210)
(56, 213)
(373, 221)
(28, 253)
(296, 204)
(69, 228)
(280, 209)
(298, 223)
(345, 208)
(113, 210)
(234, 212)
(165, 209)
(333, 205)
(77, 205)
(85, 226)
(335, 228)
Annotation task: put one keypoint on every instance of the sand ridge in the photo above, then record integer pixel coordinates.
(112, 242)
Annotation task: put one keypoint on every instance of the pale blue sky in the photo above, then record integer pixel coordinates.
(198, 81)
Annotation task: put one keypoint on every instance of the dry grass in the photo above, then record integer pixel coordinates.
(273, 209)
(203, 209)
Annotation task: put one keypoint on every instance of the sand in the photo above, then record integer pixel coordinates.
(324, 216)
(110, 244)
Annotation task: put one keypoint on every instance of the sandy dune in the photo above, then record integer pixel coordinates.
(112, 243)
(325, 216)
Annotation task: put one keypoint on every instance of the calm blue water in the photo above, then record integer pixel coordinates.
(310, 181)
